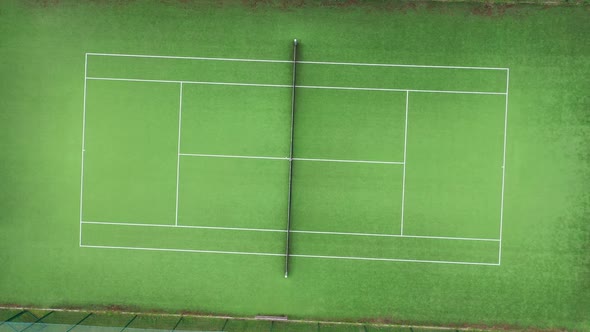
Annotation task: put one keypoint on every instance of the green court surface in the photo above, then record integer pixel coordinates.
(439, 162)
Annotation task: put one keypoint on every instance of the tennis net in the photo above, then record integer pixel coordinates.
(288, 239)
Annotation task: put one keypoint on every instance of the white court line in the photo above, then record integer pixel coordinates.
(400, 236)
(404, 169)
(189, 58)
(132, 80)
(397, 65)
(83, 145)
(292, 255)
(290, 86)
(231, 156)
(292, 231)
(184, 226)
(178, 154)
(394, 260)
(398, 90)
(190, 82)
(287, 158)
(188, 250)
(351, 161)
(503, 168)
(288, 61)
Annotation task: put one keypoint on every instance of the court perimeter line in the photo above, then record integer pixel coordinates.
(292, 231)
(289, 62)
(293, 255)
(83, 145)
(178, 154)
(503, 168)
(290, 86)
(404, 169)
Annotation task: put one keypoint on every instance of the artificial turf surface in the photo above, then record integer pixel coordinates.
(454, 159)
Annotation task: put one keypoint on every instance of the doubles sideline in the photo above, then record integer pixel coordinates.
(292, 231)
(290, 86)
(292, 255)
(290, 61)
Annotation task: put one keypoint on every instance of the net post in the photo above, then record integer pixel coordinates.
(289, 200)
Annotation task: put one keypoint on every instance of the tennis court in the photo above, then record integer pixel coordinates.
(192, 154)
(411, 164)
